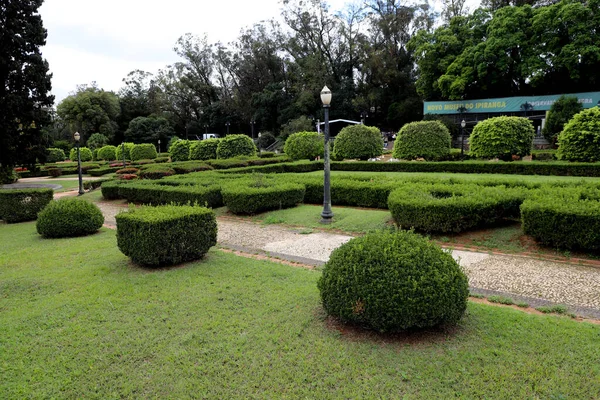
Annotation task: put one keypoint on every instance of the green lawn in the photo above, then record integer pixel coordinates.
(77, 320)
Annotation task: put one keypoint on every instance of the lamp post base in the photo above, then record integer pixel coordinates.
(326, 217)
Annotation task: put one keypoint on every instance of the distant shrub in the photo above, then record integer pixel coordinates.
(259, 193)
(85, 153)
(166, 235)
(304, 145)
(128, 147)
(55, 155)
(392, 282)
(96, 141)
(108, 153)
(502, 137)
(127, 170)
(156, 171)
(69, 217)
(561, 112)
(54, 172)
(265, 140)
(161, 160)
(180, 150)
(17, 205)
(358, 141)
(185, 167)
(427, 139)
(266, 154)
(234, 146)
(144, 162)
(143, 151)
(580, 140)
(204, 149)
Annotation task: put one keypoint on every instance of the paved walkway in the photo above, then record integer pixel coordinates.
(536, 282)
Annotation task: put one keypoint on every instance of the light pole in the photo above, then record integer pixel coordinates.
(327, 214)
(227, 125)
(205, 129)
(159, 146)
(123, 148)
(462, 138)
(77, 136)
(363, 115)
(252, 127)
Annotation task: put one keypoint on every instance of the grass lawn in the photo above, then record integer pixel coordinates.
(77, 320)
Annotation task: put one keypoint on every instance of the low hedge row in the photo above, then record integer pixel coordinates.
(153, 193)
(103, 171)
(166, 235)
(17, 205)
(251, 197)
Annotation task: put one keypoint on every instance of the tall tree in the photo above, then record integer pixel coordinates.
(25, 84)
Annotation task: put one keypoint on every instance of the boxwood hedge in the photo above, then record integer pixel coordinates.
(68, 218)
(204, 149)
(143, 151)
(358, 141)
(234, 146)
(304, 145)
(427, 139)
(502, 137)
(250, 196)
(17, 205)
(580, 139)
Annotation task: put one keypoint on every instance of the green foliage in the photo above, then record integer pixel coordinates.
(96, 141)
(427, 139)
(554, 309)
(234, 146)
(502, 137)
(358, 141)
(560, 113)
(300, 124)
(452, 208)
(17, 205)
(266, 154)
(64, 145)
(55, 155)
(108, 153)
(147, 192)
(185, 167)
(265, 140)
(448, 122)
(580, 140)
(304, 145)
(161, 159)
(166, 235)
(155, 171)
(260, 193)
(393, 281)
(144, 151)
(180, 150)
(149, 130)
(69, 217)
(84, 152)
(127, 147)
(204, 149)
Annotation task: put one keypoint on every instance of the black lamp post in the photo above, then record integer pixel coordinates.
(462, 138)
(363, 115)
(159, 146)
(77, 136)
(252, 127)
(206, 128)
(227, 125)
(327, 214)
(123, 148)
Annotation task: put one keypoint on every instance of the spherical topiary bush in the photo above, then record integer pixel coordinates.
(127, 148)
(55, 155)
(236, 145)
(304, 145)
(85, 154)
(143, 151)
(427, 139)
(502, 137)
(180, 150)
(204, 149)
(358, 141)
(108, 153)
(580, 139)
(69, 217)
(393, 281)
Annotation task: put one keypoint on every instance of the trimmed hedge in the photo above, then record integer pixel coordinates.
(186, 167)
(128, 147)
(427, 139)
(204, 149)
(567, 218)
(358, 141)
(156, 194)
(580, 139)
(235, 145)
(393, 281)
(166, 235)
(17, 205)
(103, 171)
(180, 150)
(55, 155)
(108, 153)
(84, 153)
(452, 208)
(156, 171)
(143, 151)
(502, 137)
(304, 145)
(257, 195)
(68, 218)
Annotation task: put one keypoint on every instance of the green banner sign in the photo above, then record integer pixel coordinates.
(506, 104)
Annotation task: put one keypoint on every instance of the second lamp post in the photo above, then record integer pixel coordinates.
(77, 136)
(327, 214)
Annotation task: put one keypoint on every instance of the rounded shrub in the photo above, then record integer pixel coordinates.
(235, 145)
(17, 205)
(107, 153)
(580, 139)
(166, 235)
(55, 155)
(304, 145)
(84, 152)
(180, 150)
(427, 139)
(69, 217)
(452, 208)
(155, 171)
(358, 141)
(261, 193)
(143, 151)
(393, 281)
(502, 137)
(204, 149)
(127, 147)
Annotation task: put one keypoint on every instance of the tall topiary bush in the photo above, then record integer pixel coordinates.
(236, 145)
(580, 140)
(393, 281)
(358, 141)
(304, 145)
(107, 153)
(127, 147)
(180, 150)
(427, 139)
(69, 217)
(560, 113)
(55, 155)
(502, 137)
(144, 151)
(85, 153)
(204, 149)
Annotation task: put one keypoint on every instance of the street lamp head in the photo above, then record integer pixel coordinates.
(463, 123)
(326, 96)
(77, 136)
